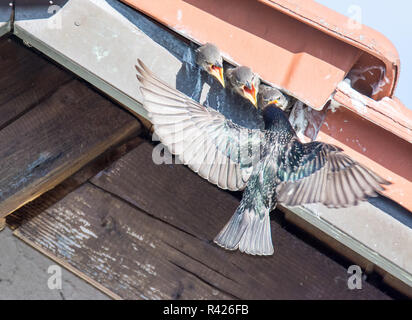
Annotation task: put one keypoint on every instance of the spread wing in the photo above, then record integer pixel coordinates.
(319, 172)
(211, 145)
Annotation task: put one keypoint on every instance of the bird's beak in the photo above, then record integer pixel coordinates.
(275, 102)
(251, 94)
(217, 72)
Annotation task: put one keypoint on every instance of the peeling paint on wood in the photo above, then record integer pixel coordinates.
(104, 250)
(158, 247)
(38, 205)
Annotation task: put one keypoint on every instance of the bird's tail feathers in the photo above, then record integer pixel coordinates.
(248, 232)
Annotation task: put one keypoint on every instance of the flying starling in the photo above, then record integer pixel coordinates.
(208, 57)
(244, 82)
(273, 165)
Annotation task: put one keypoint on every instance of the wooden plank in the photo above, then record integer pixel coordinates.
(171, 215)
(172, 193)
(37, 206)
(25, 79)
(56, 138)
(318, 216)
(130, 254)
(343, 243)
(112, 243)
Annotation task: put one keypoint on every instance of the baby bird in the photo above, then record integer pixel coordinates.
(208, 57)
(269, 95)
(244, 82)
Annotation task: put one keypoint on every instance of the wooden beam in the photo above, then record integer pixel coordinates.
(37, 206)
(53, 136)
(357, 235)
(359, 229)
(52, 141)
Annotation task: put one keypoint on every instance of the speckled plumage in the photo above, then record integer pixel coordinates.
(273, 165)
(267, 94)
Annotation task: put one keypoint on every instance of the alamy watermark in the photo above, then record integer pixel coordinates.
(54, 282)
(240, 148)
(355, 278)
(54, 22)
(355, 17)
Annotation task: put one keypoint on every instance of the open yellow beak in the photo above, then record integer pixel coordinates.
(217, 72)
(251, 95)
(275, 102)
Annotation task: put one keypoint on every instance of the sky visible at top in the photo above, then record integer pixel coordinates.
(393, 19)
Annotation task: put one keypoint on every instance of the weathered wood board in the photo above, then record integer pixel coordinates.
(37, 206)
(55, 139)
(365, 222)
(51, 125)
(25, 79)
(143, 231)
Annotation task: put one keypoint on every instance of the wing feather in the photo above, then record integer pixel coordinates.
(211, 145)
(323, 173)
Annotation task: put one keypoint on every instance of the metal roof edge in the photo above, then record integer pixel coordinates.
(337, 25)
